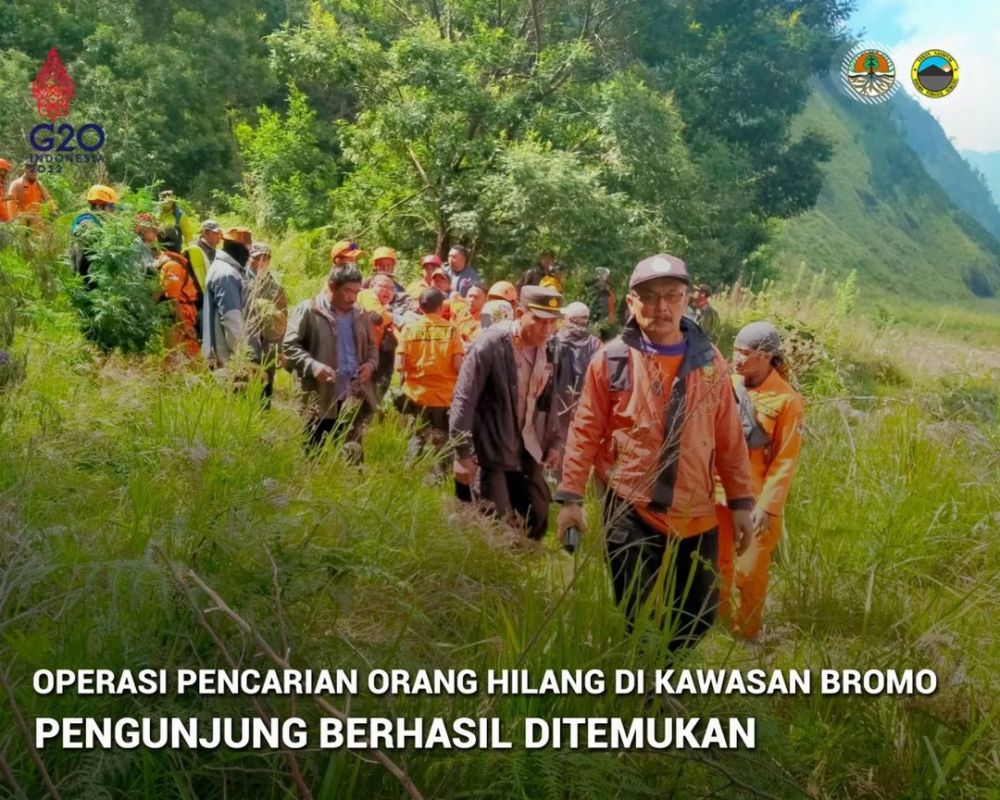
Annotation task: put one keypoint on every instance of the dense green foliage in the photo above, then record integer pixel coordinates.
(117, 299)
(592, 127)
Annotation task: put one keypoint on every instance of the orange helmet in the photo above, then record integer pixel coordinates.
(502, 290)
(346, 249)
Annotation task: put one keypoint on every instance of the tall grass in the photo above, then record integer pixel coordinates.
(891, 561)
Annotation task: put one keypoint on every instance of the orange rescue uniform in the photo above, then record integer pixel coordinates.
(469, 325)
(417, 287)
(368, 301)
(620, 433)
(779, 412)
(26, 198)
(4, 202)
(428, 347)
(179, 286)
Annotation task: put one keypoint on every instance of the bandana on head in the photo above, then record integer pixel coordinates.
(761, 336)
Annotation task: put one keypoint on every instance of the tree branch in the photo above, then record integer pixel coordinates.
(404, 779)
(8, 776)
(19, 718)
(304, 791)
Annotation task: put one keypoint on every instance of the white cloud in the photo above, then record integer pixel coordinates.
(970, 31)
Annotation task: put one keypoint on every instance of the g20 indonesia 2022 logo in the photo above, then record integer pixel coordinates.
(53, 89)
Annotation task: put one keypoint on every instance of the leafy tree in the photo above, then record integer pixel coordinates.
(289, 173)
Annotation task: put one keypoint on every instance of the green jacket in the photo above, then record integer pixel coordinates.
(311, 340)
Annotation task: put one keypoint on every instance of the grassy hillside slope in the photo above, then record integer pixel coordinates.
(881, 214)
(988, 165)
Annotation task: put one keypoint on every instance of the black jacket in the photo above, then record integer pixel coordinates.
(484, 406)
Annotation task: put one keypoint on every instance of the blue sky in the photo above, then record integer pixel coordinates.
(970, 31)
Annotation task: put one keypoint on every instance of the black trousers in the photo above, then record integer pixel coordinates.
(350, 418)
(435, 417)
(637, 553)
(383, 372)
(522, 496)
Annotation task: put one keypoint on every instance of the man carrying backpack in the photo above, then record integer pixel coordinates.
(656, 414)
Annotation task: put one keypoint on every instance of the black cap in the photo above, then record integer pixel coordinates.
(541, 301)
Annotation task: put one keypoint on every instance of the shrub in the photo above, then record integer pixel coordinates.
(116, 300)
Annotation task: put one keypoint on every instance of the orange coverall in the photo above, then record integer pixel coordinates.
(779, 412)
(180, 287)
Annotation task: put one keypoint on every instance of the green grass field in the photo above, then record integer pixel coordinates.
(117, 477)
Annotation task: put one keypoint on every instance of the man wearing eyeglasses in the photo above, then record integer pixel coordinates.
(656, 416)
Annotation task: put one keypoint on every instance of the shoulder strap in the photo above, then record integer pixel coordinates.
(616, 357)
(756, 436)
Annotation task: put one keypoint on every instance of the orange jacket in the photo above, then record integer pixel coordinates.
(381, 317)
(180, 287)
(779, 410)
(5, 211)
(26, 197)
(620, 429)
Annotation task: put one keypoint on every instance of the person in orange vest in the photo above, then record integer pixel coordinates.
(5, 168)
(27, 195)
(504, 290)
(430, 263)
(429, 358)
(442, 282)
(181, 291)
(771, 412)
(345, 252)
(384, 263)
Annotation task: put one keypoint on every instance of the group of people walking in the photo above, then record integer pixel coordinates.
(692, 462)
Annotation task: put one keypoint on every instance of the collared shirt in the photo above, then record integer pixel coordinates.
(533, 372)
(347, 354)
(462, 281)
